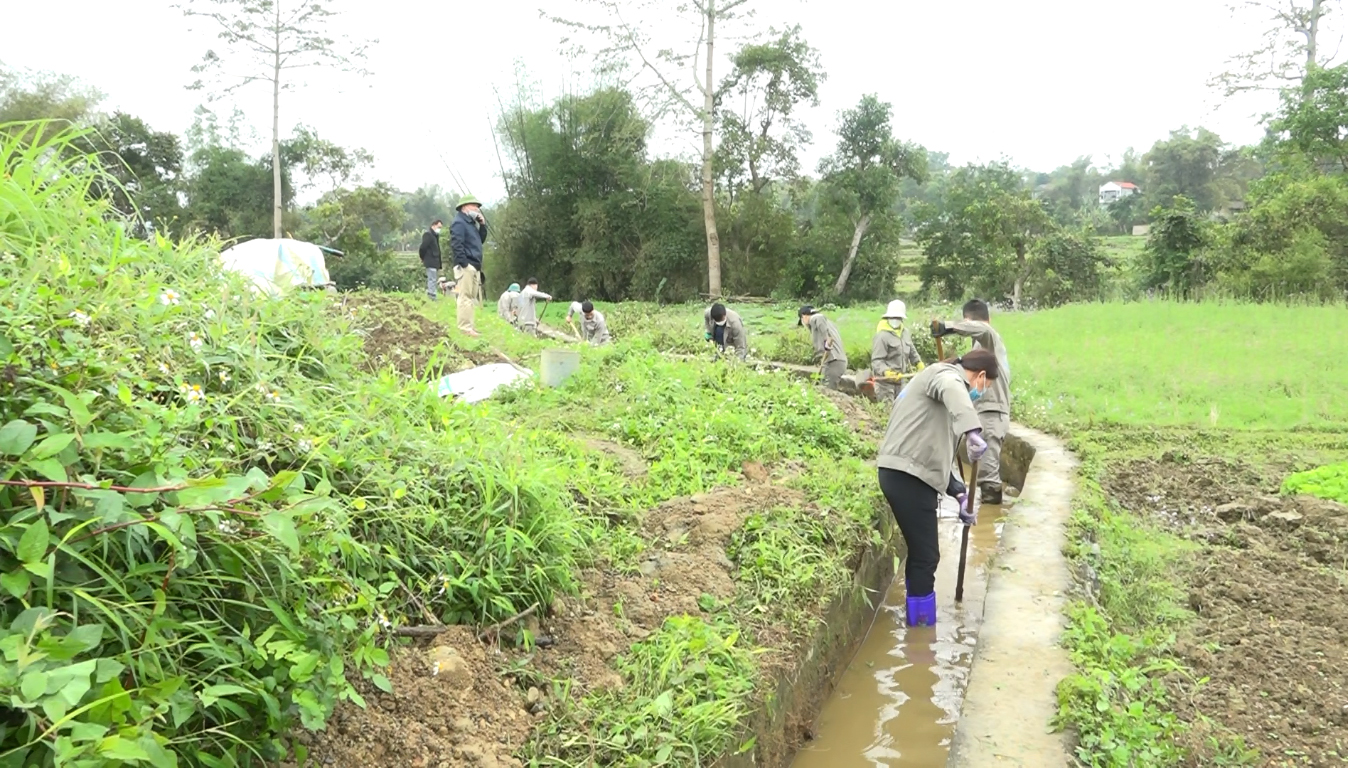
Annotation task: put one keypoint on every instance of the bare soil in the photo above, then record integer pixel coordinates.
(397, 335)
(459, 712)
(1270, 595)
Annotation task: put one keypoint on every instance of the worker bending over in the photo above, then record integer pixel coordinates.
(725, 329)
(994, 407)
(916, 459)
(508, 305)
(593, 329)
(528, 309)
(828, 345)
(892, 352)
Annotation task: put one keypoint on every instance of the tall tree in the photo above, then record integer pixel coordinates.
(1313, 122)
(628, 43)
(756, 104)
(982, 233)
(1290, 47)
(147, 165)
(1188, 163)
(268, 41)
(864, 174)
(27, 96)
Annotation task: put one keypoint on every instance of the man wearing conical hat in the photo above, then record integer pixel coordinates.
(466, 236)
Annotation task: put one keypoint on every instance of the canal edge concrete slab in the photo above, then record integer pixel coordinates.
(1018, 661)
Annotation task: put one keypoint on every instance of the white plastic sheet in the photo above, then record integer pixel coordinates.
(476, 384)
(277, 266)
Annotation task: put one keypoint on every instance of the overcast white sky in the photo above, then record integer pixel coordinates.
(1040, 82)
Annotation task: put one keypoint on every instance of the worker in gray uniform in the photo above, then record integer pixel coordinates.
(917, 458)
(593, 327)
(892, 352)
(725, 329)
(827, 343)
(994, 407)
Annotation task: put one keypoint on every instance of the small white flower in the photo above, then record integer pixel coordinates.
(80, 317)
(265, 446)
(274, 396)
(164, 369)
(8, 257)
(229, 527)
(304, 446)
(224, 377)
(194, 393)
(384, 622)
(195, 340)
(169, 297)
(210, 314)
(297, 428)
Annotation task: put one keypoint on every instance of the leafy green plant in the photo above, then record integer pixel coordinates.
(1327, 482)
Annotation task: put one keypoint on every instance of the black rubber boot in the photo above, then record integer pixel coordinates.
(991, 494)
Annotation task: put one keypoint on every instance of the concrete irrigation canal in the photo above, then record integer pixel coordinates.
(978, 688)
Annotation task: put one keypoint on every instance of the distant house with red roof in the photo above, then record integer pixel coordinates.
(1111, 191)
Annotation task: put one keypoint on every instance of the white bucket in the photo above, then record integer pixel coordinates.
(558, 365)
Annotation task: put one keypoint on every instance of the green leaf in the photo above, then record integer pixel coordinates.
(124, 393)
(82, 731)
(95, 440)
(52, 469)
(33, 543)
(52, 445)
(118, 748)
(16, 437)
(213, 693)
(15, 582)
(6, 348)
(34, 685)
(78, 410)
(280, 525)
(382, 683)
(86, 635)
(143, 480)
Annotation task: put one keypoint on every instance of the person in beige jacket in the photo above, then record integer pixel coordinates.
(827, 343)
(917, 456)
(527, 306)
(725, 329)
(994, 407)
(892, 352)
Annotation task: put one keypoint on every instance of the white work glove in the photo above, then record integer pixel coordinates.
(975, 443)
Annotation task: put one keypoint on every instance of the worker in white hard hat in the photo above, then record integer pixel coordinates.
(892, 353)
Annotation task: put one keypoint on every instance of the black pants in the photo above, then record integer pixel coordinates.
(914, 504)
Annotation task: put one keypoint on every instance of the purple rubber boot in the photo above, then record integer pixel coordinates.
(922, 611)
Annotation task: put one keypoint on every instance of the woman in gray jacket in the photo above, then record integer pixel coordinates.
(916, 459)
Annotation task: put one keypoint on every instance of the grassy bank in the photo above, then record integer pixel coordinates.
(219, 510)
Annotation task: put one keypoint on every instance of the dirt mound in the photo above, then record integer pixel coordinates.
(866, 417)
(396, 334)
(686, 560)
(632, 463)
(1271, 603)
(449, 708)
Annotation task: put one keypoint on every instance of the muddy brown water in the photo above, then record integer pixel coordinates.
(898, 701)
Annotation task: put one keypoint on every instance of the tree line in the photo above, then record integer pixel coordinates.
(591, 211)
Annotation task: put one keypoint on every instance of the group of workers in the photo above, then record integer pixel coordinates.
(520, 309)
(961, 401)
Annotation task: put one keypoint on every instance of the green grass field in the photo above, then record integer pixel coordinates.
(1170, 364)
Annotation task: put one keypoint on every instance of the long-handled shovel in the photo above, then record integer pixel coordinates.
(964, 536)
